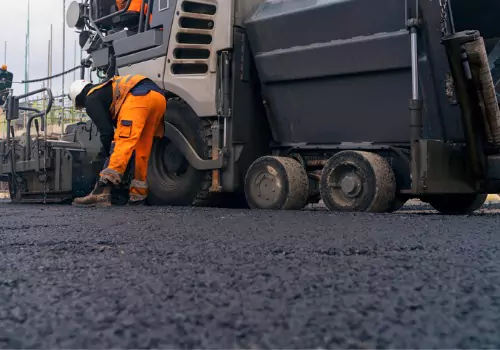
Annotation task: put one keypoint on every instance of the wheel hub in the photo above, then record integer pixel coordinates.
(173, 159)
(351, 185)
(267, 185)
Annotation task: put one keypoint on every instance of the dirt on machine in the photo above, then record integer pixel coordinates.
(277, 104)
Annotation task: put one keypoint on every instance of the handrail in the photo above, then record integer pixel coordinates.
(150, 11)
(99, 20)
(37, 114)
(141, 17)
(114, 14)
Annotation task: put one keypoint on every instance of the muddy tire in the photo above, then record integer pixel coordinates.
(457, 204)
(171, 180)
(355, 181)
(278, 183)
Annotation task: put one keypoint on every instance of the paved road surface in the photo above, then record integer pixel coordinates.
(184, 278)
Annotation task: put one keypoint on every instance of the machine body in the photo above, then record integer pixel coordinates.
(277, 104)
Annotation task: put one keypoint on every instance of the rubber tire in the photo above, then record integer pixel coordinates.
(294, 191)
(379, 183)
(457, 204)
(192, 187)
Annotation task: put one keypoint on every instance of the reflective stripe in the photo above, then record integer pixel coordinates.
(137, 197)
(139, 184)
(116, 94)
(128, 78)
(111, 175)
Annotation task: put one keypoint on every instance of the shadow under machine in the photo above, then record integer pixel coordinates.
(276, 104)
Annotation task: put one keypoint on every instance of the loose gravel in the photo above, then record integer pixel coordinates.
(210, 278)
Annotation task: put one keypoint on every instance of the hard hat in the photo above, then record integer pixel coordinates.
(76, 88)
(4, 67)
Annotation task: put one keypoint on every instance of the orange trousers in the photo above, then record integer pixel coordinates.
(140, 119)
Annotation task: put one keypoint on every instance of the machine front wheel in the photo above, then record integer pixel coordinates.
(171, 179)
(355, 181)
(457, 204)
(278, 183)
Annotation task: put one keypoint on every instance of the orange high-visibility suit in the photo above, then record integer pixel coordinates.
(138, 117)
(135, 6)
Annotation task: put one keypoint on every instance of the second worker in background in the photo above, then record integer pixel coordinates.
(135, 105)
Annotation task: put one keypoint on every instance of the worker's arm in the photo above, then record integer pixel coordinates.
(97, 106)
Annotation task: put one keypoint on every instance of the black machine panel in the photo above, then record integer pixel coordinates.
(340, 71)
(481, 15)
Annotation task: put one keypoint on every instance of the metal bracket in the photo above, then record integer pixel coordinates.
(174, 135)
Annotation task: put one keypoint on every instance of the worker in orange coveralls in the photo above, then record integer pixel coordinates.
(135, 6)
(136, 106)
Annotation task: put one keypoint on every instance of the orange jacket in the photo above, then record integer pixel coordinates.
(135, 6)
(121, 88)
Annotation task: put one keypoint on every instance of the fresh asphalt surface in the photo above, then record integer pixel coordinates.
(210, 278)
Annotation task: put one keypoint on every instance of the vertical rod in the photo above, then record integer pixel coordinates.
(5, 53)
(414, 63)
(27, 62)
(48, 70)
(150, 10)
(51, 40)
(74, 60)
(74, 78)
(27, 52)
(82, 77)
(415, 108)
(141, 16)
(51, 46)
(63, 64)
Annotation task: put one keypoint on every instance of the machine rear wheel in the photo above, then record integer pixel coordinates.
(358, 181)
(171, 179)
(278, 183)
(457, 204)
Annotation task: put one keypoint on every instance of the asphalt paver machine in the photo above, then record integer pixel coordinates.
(363, 104)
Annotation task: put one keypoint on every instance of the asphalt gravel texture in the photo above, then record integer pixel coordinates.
(211, 278)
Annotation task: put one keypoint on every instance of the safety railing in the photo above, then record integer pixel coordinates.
(144, 24)
(12, 113)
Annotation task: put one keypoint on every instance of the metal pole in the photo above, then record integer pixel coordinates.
(50, 55)
(64, 63)
(414, 63)
(81, 57)
(74, 60)
(5, 53)
(415, 105)
(27, 52)
(49, 68)
(27, 61)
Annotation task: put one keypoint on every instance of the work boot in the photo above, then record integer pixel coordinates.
(99, 197)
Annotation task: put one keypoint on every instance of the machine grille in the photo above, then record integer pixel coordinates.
(196, 22)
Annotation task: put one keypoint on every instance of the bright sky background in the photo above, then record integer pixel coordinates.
(13, 30)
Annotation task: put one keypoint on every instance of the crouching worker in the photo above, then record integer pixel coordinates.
(135, 105)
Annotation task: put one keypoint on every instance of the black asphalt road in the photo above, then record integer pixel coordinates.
(199, 278)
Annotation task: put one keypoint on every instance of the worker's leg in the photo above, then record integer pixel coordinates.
(130, 124)
(101, 194)
(139, 185)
